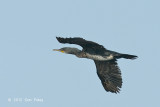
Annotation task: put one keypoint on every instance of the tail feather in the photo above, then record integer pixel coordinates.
(127, 56)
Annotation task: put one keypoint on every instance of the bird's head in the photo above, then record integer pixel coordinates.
(68, 50)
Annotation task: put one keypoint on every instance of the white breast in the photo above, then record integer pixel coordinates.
(98, 57)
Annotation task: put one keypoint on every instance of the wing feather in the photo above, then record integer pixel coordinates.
(110, 75)
(86, 45)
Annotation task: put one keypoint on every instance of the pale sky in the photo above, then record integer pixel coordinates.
(30, 69)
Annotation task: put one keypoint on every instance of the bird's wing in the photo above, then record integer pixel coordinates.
(110, 75)
(87, 45)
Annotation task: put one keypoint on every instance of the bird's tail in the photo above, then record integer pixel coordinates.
(126, 56)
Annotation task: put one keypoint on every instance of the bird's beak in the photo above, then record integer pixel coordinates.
(58, 50)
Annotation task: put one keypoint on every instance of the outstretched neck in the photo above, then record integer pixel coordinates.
(80, 54)
(75, 51)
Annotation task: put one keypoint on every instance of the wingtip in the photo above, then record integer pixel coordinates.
(59, 39)
(114, 91)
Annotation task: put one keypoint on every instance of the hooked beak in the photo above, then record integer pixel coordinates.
(58, 50)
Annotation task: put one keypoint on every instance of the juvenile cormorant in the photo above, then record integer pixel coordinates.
(105, 60)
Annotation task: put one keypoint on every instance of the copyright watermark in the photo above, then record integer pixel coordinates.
(26, 100)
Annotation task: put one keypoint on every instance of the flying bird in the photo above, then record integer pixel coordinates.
(105, 60)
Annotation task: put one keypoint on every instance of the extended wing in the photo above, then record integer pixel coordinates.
(88, 46)
(110, 75)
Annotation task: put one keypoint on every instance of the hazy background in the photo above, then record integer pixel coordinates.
(29, 68)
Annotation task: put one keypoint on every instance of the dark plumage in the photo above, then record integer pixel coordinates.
(105, 60)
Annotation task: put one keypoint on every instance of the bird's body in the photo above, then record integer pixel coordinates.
(105, 60)
(97, 57)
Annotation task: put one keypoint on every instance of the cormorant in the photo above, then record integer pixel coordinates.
(105, 60)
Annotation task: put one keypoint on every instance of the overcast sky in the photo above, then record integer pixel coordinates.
(30, 69)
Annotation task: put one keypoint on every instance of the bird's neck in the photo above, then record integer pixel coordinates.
(81, 54)
(75, 52)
